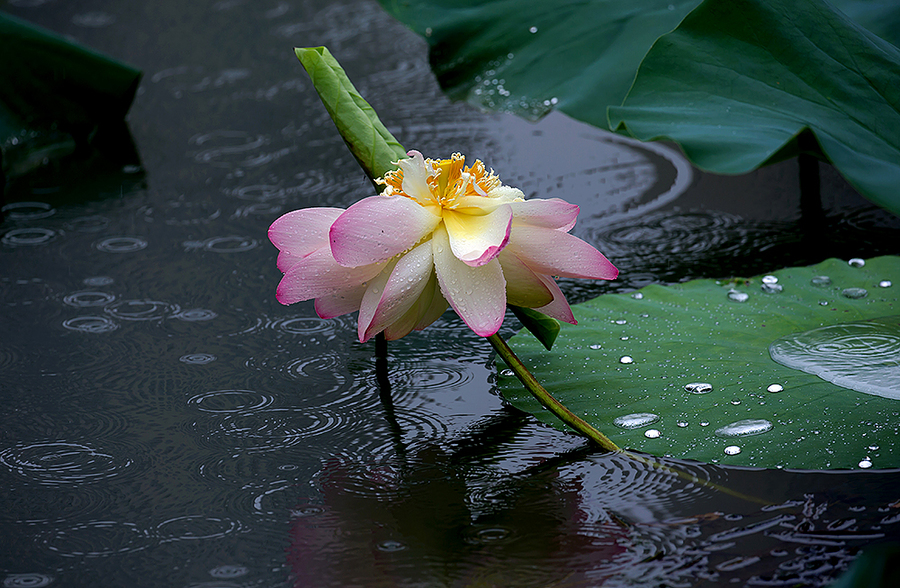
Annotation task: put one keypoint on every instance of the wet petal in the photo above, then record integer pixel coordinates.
(377, 228)
(477, 239)
(432, 304)
(559, 308)
(555, 253)
(523, 286)
(299, 233)
(340, 302)
(477, 294)
(318, 274)
(553, 213)
(415, 177)
(404, 286)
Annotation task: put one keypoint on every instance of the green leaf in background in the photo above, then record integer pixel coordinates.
(529, 56)
(639, 354)
(734, 83)
(54, 94)
(368, 139)
(739, 80)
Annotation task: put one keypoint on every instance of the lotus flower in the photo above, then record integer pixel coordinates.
(440, 233)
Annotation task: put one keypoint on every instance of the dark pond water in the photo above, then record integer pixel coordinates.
(167, 423)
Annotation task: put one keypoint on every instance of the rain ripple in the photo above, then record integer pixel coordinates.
(60, 463)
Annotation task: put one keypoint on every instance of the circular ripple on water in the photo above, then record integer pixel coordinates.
(229, 244)
(141, 310)
(197, 358)
(28, 237)
(88, 224)
(121, 244)
(182, 213)
(230, 401)
(271, 429)
(193, 315)
(97, 539)
(27, 580)
(230, 149)
(196, 528)
(20, 211)
(323, 376)
(90, 298)
(90, 324)
(60, 463)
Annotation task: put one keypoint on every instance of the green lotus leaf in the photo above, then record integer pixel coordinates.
(739, 80)
(733, 82)
(629, 365)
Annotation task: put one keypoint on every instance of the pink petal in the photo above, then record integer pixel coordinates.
(404, 286)
(555, 253)
(523, 286)
(477, 294)
(340, 302)
(318, 274)
(477, 239)
(299, 233)
(559, 308)
(551, 214)
(377, 228)
(432, 304)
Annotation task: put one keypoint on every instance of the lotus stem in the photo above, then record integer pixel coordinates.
(546, 399)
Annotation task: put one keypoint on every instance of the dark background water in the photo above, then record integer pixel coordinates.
(168, 423)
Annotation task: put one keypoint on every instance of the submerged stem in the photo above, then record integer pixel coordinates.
(544, 397)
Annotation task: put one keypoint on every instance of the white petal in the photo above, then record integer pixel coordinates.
(477, 294)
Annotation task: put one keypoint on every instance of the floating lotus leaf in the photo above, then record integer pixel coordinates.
(686, 370)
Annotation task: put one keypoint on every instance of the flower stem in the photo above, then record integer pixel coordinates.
(544, 397)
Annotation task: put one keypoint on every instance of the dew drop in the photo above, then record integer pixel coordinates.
(873, 448)
(884, 284)
(744, 428)
(704, 423)
(698, 388)
(639, 296)
(682, 424)
(857, 262)
(732, 450)
(774, 388)
(652, 434)
(769, 280)
(821, 281)
(626, 359)
(621, 321)
(633, 421)
(823, 303)
(854, 293)
(866, 463)
(532, 30)
(738, 296)
(507, 372)
(595, 346)
(735, 402)
(772, 288)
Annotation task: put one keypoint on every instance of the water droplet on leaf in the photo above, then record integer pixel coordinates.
(732, 450)
(744, 428)
(854, 293)
(626, 359)
(652, 433)
(857, 262)
(698, 388)
(774, 388)
(738, 296)
(633, 421)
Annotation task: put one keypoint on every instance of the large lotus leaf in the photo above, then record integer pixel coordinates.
(700, 332)
(738, 80)
(528, 56)
(734, 83)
